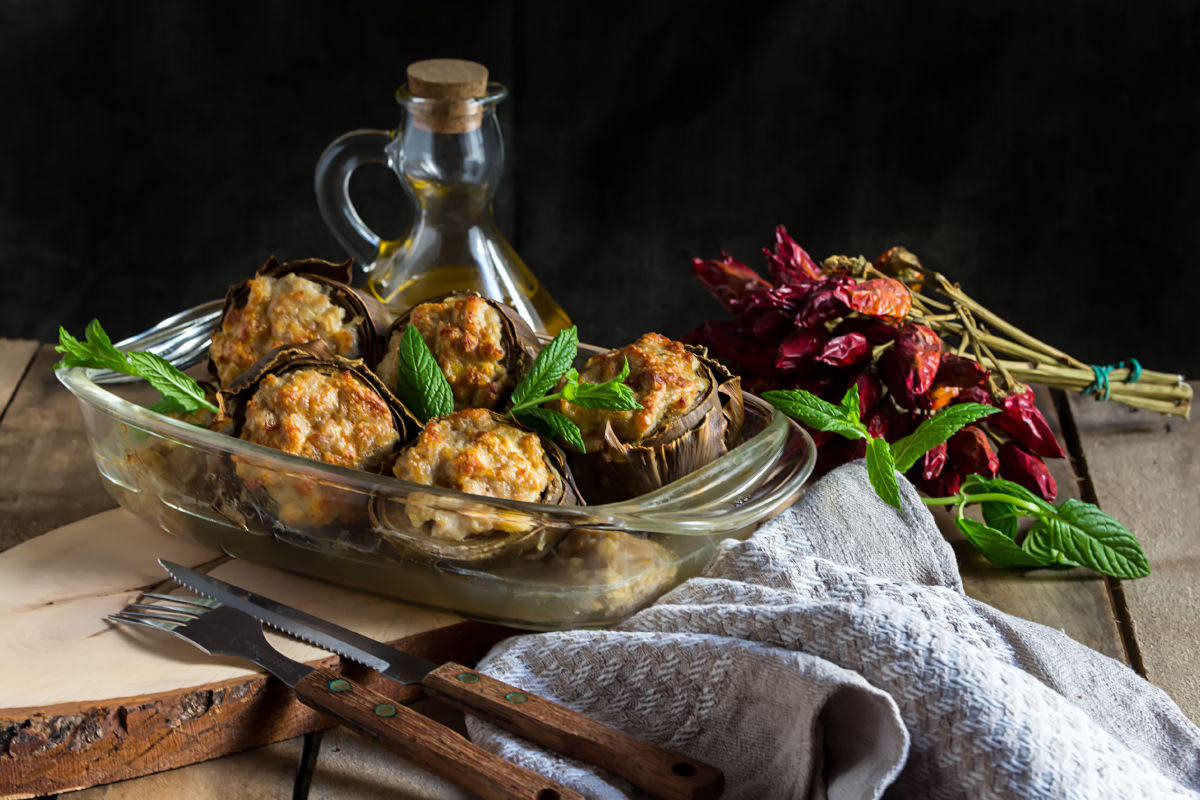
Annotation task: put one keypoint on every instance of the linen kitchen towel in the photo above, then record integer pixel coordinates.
(833, 654)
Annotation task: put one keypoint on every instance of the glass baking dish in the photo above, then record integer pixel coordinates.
(594, 565)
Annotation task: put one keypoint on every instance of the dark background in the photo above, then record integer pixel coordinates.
(1043, 154)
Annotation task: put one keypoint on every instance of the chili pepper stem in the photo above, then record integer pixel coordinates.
(981, 349)
(955, 293)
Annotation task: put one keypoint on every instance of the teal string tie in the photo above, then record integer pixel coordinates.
(1100, 386)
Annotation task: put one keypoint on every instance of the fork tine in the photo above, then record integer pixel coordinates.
(183, 614)
(200, 602)
(131, 619)
(137, 616)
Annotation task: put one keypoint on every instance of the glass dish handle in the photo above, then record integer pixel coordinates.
(332, 182)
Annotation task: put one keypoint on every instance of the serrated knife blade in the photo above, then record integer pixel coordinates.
(387, 660)
(662, 772)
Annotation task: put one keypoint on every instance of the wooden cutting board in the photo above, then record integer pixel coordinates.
(85, 702)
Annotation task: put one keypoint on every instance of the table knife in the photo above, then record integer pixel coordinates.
(657, 770)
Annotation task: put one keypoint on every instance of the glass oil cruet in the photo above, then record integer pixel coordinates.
(449, 155)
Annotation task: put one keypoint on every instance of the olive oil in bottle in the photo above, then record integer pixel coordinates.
(449, 156)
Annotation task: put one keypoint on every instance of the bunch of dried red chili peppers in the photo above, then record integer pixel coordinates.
(821, 327)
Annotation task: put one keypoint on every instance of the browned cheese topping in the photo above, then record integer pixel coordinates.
(473, 452)
(334, 418)
(666, 379)
(279, 311)
(464, 335)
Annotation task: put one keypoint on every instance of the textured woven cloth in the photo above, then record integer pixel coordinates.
(834, 655)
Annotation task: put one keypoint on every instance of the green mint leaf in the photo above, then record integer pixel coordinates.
(978, 484)
(420, 384)
(881, 470)
(850, 403)
(996, 547)
(172, 384)
(1084, 534)
(168, 406)
(815, 412)
(1038, 543)
(935, 430)
(180, 392)
(550, 365)
(552, 423)
(92, 354)
(1003, 517)
(613, 395)
(97, 336)
(571, 387)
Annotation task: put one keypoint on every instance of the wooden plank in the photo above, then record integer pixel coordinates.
(1074, 601)
(15, 355)
(1145, 471)
(47, 476)
(130, 702)
(264, 773)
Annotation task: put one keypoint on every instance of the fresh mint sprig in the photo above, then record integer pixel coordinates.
(180, 392)
(1073, 533)
(420, 384)
(883, 459)
(551, 366)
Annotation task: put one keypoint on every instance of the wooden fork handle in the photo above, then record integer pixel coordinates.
(424, 742)
(661, 772)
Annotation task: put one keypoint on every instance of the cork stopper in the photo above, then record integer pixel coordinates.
(453, 84)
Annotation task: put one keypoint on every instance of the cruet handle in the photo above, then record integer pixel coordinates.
(332, 179)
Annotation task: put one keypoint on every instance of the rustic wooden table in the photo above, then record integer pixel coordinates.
(1141, 467)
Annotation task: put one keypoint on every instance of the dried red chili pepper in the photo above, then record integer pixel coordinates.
(883, 298)
(1020, 418)
(770, 327)
(870, 390)
(799, 348)
(938, 397)
(901, 264)
(910, 365)
(821, 381)
(786, 298)
(972, 453)
(947, 482)
(974, 394)
(954, 370)
(877, 331)
(932, 463)
(790, 264)
(729, 280)
(1021, 466)
(729, 341)
(845, 350)
(826, 301)
(877, 419)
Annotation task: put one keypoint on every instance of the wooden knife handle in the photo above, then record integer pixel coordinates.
(659, 771)
(424, 742)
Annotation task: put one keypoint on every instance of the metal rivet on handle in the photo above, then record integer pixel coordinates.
(339, 685)
(468, 677)
(515, 697)
(385, 710)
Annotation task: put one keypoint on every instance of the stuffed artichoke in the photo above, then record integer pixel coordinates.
(293, 303)
(301, 401)
(482, 347)
(692, 410)
(478, 452)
